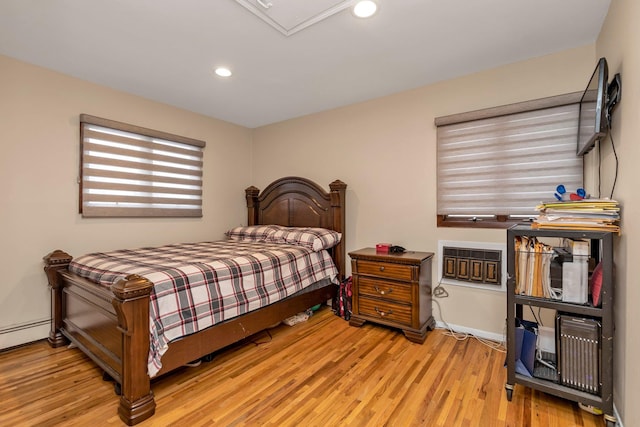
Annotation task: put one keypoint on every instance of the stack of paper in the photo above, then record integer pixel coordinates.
(587, 214)
(533, 268)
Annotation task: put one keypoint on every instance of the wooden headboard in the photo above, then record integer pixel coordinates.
(298, 202)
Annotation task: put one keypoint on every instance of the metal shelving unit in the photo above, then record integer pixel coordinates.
(604, 314)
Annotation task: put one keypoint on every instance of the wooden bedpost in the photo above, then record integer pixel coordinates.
(252, 203)
(338, 189)
(131, 303)
(54, 262)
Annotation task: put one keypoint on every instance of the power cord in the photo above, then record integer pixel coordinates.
(537, 318)
(615, 177)
(440, 292)
(615, 154)
(599, 170)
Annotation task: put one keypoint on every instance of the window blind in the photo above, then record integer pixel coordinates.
(505, 165)
(129, 171)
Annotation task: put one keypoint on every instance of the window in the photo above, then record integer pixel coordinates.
(129, 171)
(496, 165)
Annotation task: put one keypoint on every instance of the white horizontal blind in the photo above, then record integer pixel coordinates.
(506, 165)
(128, 171)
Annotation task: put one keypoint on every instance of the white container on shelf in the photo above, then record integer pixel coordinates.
(575, 281)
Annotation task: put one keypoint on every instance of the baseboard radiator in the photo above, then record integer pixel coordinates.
(15, 335)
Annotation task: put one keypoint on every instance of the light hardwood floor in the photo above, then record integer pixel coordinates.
(319, 373)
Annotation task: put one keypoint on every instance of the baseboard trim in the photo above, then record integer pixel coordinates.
(476, 332)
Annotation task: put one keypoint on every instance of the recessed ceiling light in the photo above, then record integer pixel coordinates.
(365, 8)
(223, 72)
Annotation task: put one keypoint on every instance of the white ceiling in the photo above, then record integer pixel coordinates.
(165, 50)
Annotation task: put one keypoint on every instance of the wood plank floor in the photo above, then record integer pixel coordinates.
(319, 373)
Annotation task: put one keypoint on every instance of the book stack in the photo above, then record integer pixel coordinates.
(586, 214)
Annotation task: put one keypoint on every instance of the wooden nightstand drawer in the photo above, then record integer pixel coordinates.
(385, 310)
(377, 288)
(385, 269)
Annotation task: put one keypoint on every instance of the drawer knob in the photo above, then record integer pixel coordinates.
(382, 268)
(381, 292)
(382, 313)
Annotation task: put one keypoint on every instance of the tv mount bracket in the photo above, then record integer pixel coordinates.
(614, 92)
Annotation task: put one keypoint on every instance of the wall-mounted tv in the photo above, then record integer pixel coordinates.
(592, 121)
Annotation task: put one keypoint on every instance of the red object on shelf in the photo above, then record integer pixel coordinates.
(383, 248)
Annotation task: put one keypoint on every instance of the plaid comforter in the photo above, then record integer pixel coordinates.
(197, 285)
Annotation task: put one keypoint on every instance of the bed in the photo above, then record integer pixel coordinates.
(111, 324)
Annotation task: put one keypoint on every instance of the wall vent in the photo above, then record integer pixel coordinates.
(472, 264)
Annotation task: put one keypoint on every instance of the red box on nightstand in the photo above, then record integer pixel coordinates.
(383, 248)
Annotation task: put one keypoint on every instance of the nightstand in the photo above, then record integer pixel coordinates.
(393, 290)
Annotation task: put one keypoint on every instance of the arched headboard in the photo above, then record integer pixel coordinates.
(298, 202)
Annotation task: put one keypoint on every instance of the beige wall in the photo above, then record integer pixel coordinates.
(618, 42)
(39, 112)
(385, 151)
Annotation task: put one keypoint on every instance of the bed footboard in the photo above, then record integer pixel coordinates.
(111, 326)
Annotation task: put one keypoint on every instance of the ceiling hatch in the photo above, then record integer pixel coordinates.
(291, 16)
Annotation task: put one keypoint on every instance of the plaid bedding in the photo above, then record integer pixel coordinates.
(197, 285)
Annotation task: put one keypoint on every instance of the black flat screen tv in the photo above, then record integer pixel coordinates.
(592, 119)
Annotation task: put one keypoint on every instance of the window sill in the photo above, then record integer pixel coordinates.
(499, 222)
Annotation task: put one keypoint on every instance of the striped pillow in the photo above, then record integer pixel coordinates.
(257, 233)
(315, 239)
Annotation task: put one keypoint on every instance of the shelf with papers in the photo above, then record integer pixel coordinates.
(582, 374)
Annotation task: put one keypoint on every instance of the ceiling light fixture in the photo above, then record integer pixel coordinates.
(365, 8)
(223, 72)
